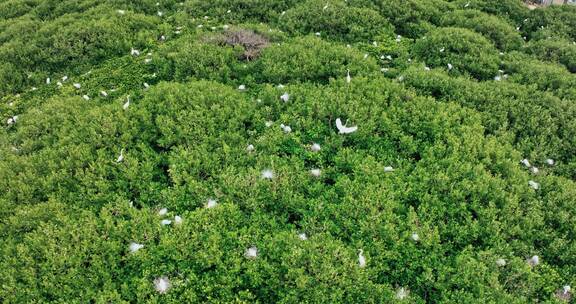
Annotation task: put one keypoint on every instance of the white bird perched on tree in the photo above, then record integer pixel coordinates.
(534, 170)
(86, 97)
(250, 148)
(315, 147)
(177, 220)
(146, 85)
(285, 97)
(534, 185)
(64, 78)
(127, 103)
(388, 169)
(12, 120)
(315, 172)
(302, 236)
(268, 124)
(525, 162)
(48, 80)
(120, 157)
(162, 284)
(285, 128)
(415, 237)
(165, 222)
(348, 78)
(163, 211)
(450, 66)
(402, 293)
(361, 259)
(267, 174)
(104, 93)
(77, 85)
(211, 203)
(121, 12)
(342, 129)
(501, 262)
(242, 87)
(134, 52)
(533, 261)
(251, 253)
(550, 162)
(135, 247)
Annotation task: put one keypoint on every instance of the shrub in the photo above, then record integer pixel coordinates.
(414, 18)
(513, 10)
(502, 34)
(203, 61)
(558, 50)
(310, 59)
(466, 51)
(335, 20)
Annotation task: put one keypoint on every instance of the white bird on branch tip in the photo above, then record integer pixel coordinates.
(285, 97)
(126, 104)
(251, 253)
(135, 247)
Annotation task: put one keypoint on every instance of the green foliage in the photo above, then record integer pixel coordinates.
(413, 18)
(466, 51)
(311, 59)
(430, 186)
(502, 34)
(561, 51)
(335, 20)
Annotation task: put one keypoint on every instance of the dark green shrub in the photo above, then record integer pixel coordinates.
(502, 34)
(557, 20)
(414, 18)
(558, 50)
(466, 51)
(240, 10)
(311, 59)
(203, 60)
(335, 20)
(513, 10)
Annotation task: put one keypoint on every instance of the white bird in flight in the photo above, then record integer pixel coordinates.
(342, 129)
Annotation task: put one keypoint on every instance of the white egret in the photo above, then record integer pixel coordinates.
(77, 85)
(342, 129)
(211, 203)
(533, 261)
(285, 97)
(48, 80)
(402, 293)
(127, 103)
(550, 162)
(450, 66)
(525, 162)
(267, 174)
(177, 220)
(315, 172)
(534, 185)
(104, 93)
(163, 211)
(86, 97)
(415, 237)
(135, 247)
(120, 157)
(242, 87)
(361, 259)
(162, 284)
(315, 147)
(250, 148)
(348, 78)
(501, 262)
(388, 169)
(165, 222)
(302, 236)
(251, 253)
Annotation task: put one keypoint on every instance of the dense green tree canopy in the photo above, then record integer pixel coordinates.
(301, 151)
